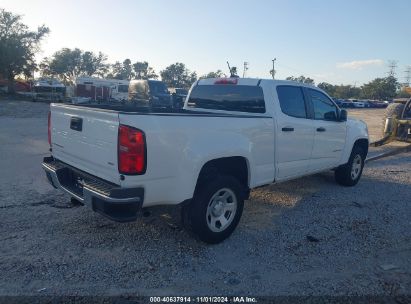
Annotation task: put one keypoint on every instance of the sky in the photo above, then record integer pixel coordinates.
(336, 41)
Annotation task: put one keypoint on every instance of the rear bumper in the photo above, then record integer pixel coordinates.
(118, 204)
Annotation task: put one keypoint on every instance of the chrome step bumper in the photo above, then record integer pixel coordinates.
(114, 202)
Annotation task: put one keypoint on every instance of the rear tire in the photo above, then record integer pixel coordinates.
(349, 174)
(393, 110)
(215, 210)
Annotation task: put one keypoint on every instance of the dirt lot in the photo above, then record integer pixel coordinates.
(305, 237)
(373, 118)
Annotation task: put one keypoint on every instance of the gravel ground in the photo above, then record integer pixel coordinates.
(304, 237)
(374, 119)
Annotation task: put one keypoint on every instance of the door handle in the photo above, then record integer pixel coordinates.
(321, 129)
(287, 129)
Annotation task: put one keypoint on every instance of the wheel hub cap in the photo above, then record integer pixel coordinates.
(218, 208)
(356, 166)
(221, 210)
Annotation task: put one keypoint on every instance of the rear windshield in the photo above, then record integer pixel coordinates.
(238, 98)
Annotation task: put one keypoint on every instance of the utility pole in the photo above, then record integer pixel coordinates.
(273, 70)
(392, 65)
(407, 75)
(245, 68)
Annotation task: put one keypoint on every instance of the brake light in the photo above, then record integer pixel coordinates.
(49, 128)
(226, 81)
(131, 150)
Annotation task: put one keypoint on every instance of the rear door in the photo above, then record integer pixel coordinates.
(86, 138)
(329, 138)
(295, 133)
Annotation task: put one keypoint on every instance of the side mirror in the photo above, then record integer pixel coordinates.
(343, 115)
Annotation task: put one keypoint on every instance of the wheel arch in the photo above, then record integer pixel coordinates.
(363, 144)
(236, 166)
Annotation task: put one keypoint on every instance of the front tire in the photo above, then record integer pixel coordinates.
(215, 210)
(349, 174)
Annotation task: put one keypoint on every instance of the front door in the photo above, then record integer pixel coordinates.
(329, 138)
(295, 133)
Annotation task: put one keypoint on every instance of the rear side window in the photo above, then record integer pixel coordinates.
(292, 101)
(238, 98)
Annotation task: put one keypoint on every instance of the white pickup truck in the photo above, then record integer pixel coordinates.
(231, 136)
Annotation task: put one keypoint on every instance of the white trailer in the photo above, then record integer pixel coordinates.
(118, 88)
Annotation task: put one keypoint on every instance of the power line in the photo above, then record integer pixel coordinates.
(392, 65)
(407, 75)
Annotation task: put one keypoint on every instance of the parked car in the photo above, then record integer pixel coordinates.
(358, 103)
(377, 104)
(149, 93)
(233, 135)
(347, 103)
(366, 103)
(179, 97)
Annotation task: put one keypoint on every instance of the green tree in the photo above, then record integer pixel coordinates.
(142, 70)
(94, 64)
(178, 76)
(68, 64)
(127, 71)
(327, 87)
(122, 70)
(115, 70)
(302, 79)
(347, 91)
(380, 88)
(18, 46)
(217, 74)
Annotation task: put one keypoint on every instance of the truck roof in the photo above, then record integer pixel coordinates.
(248, 81)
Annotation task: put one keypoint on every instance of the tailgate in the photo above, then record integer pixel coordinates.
(86, 139)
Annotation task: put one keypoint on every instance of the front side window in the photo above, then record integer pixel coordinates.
(324, 108)
(240, 98)
(292, 101)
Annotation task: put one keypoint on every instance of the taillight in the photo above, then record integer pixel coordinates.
(226, 81)
(131, 150)
(49, 128)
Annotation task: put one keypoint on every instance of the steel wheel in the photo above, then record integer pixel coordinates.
(221, 210)
(356, 166)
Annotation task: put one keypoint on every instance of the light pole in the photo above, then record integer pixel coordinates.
(245, 68)
(274, 68)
